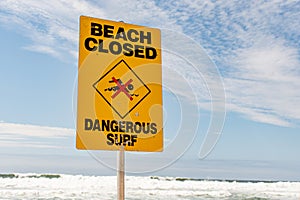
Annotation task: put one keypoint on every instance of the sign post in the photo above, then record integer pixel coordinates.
(121, 174)
(119, 105)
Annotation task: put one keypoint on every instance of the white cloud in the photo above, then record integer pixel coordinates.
(263, 83)
(34, 130)
(267, 62)
(43, 49)
(28, 145)
(52, 26)
(25, 135)
(256, 47)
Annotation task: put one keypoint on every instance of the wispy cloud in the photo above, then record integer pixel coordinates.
(263, 84)
(255, 45)
(26, 135)
(53, 26)
(34, 130)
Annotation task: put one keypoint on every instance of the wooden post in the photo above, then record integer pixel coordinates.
(121, 174)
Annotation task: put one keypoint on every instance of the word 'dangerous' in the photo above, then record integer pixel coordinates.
(113, 126)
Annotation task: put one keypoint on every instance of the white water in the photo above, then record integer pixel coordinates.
(104, 187)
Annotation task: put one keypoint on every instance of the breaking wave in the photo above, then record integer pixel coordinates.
(62, 186)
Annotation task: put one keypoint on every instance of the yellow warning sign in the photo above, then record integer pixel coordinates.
(119, 87)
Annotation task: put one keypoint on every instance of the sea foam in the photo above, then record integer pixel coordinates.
(62, 186)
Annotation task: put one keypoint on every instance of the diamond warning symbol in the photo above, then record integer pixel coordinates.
(122, 88)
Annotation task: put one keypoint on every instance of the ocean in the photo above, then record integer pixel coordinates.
(77, 187)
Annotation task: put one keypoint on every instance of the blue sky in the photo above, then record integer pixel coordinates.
(252, 79)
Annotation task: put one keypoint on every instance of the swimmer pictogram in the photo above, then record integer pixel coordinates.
(120, 87)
